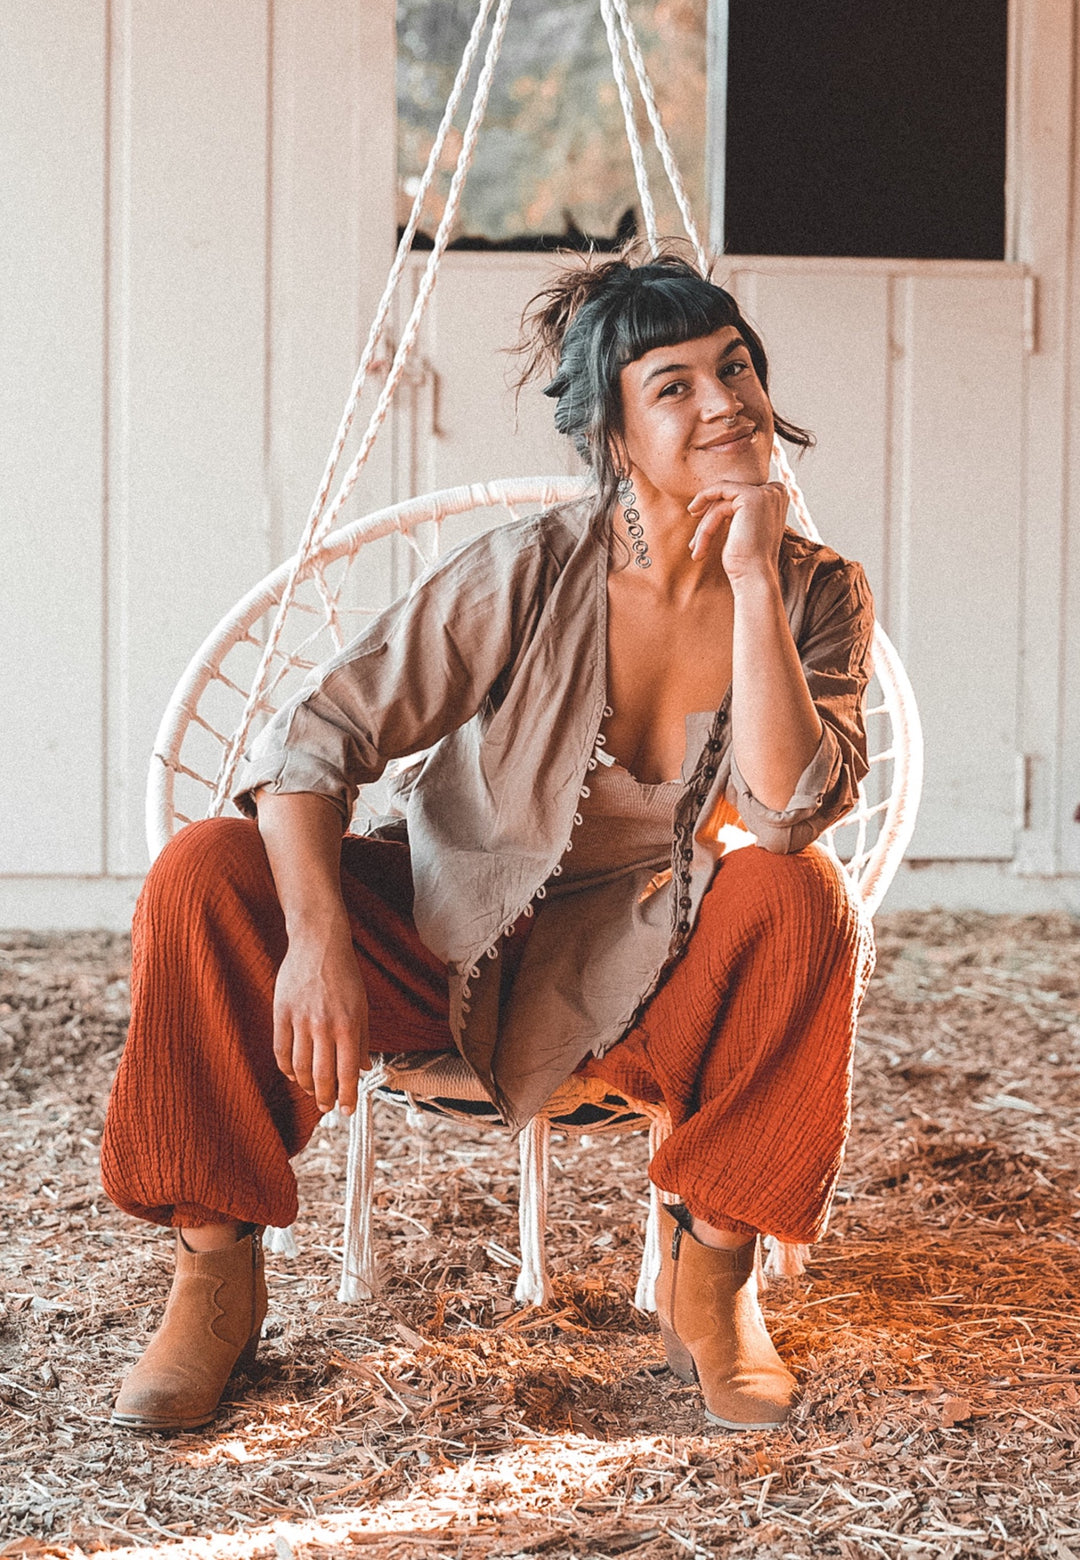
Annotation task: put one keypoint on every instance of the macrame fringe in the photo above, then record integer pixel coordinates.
(359, 1270)
(533, 1286)
(360, 1276)
(645, 1294)
(280, 1242)
(782, 1260)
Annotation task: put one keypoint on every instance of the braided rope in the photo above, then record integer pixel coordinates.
(382, 311)
(312, 527)
(663, 145)
(794, 492)
(427, 284)
(320, 523)
(321, 519)
(637, 155)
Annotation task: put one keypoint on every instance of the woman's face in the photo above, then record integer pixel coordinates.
(696, 415)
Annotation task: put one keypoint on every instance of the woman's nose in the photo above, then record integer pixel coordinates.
(720, 401)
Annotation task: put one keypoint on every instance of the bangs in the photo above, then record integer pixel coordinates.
(664, 310)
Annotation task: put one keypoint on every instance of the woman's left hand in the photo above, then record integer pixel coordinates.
(749, 517)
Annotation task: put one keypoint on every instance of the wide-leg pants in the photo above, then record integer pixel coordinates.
(749, 1041)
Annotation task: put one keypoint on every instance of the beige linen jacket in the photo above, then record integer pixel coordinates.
(493, 667)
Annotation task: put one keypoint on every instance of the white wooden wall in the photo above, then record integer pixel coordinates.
(198, 209)
(197, 219)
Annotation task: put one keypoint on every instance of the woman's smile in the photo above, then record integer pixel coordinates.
(739, 436)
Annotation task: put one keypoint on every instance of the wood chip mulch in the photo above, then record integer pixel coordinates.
(935, 1334)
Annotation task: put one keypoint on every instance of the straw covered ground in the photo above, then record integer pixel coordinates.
(935, 1334)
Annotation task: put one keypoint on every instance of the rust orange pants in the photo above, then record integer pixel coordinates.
(749, 1042)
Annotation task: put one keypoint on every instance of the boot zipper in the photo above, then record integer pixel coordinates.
(676, 1242)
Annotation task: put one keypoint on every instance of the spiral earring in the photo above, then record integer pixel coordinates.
(628, 499)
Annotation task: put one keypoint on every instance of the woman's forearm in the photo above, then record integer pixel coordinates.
(775, 729)
(302, 835)
(320, 1007)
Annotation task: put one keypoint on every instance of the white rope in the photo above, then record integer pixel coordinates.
(359, 1271)
(427, 284)
(663, 145)
(404, 247)
(794, 492)
(533, 1286)
(320, 522)
(637, 155)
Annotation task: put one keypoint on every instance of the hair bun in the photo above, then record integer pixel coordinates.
(550, 312)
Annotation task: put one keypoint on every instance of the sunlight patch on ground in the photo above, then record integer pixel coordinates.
(543, 1475)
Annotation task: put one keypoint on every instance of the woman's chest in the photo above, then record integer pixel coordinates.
(663, 663)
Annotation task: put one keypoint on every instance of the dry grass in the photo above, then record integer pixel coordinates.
(935, 1334)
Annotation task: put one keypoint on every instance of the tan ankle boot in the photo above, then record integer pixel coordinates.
(714, 1332)
(211, 1325)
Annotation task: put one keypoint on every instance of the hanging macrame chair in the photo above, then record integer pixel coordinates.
(305, 611)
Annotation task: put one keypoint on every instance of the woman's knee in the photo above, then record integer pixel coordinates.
(807, 889)
(205, 858)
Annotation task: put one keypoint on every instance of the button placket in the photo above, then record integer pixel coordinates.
(705, 772)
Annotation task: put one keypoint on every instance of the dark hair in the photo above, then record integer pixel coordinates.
(593, 320)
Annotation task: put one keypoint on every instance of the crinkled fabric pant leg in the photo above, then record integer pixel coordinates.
(749, 1044)
(201, 1121)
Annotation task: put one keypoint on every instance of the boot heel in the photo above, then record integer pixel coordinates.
(246, 1358)
(678, 1355)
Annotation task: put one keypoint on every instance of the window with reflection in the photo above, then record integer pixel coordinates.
(552, 167)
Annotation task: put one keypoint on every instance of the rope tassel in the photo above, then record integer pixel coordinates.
(783, 1260)
(534, 1286)
(280, 1242)
(359, 1270)
(645, 1294)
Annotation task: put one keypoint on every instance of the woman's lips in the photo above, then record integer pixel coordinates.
(726, 441)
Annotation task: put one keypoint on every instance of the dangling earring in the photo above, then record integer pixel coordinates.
(628, 499)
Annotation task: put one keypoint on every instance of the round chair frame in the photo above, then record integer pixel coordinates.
(877, 833)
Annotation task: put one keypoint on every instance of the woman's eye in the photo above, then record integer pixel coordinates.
(730, 370)
(673, 386)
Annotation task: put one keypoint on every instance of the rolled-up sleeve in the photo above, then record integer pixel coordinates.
(308, 746)
(834, 647)
(422, 669)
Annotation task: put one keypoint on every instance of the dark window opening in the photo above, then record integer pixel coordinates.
(866, 129)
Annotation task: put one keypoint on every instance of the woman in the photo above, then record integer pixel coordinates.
(613, 694)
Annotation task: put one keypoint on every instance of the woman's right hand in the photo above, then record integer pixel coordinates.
(321, 1016)
(320, 1006)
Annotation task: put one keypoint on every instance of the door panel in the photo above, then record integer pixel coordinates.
(460, 419)
(957, 508)
(827, 339)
